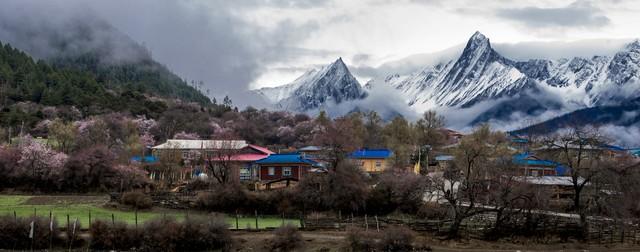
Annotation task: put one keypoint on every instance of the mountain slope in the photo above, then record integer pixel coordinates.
(331, 84)
(93, 45)
(28, 87)
(509, 90)
(625, 114)
(478, 74)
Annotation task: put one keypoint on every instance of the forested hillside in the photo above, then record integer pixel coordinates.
(27, 86)
(144, 75)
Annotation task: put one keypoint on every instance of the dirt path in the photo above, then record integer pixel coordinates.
(67, 199)
(334, 241)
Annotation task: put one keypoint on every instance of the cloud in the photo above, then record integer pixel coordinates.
(577, 14)
(620, 135)
(198, 40)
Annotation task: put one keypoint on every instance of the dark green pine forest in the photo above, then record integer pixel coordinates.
(85, 85)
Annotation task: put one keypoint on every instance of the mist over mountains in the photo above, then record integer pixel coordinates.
(511, 86)
(480, 85)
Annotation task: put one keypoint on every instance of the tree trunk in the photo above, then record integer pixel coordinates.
(455, 227)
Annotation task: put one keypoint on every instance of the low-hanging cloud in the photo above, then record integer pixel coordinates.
(576, 14)
(201, 41)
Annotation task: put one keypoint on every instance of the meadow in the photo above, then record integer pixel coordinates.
(86, 208)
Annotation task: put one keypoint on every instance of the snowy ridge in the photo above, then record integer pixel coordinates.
(331, 84)
(482, 74)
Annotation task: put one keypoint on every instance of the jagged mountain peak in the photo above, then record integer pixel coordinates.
(635, 45)
(477, 41)
(332, 83)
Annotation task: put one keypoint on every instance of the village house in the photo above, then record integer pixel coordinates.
(530, 165)
(282, 170)
(194, 157)
(371, 160)
(558, 188)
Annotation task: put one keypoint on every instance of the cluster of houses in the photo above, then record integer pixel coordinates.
(252, 163)
(267, 169)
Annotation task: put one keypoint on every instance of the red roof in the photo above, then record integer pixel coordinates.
(261, 149)
(248, 157)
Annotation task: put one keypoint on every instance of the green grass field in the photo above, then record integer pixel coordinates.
(81, 207)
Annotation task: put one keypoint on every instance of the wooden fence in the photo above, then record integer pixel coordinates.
(478, 227)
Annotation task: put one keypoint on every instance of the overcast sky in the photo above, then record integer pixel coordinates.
(240, 44)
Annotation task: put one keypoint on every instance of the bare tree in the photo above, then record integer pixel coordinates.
(220, 156)
(580, 151)
(465, 185)
(170, 160)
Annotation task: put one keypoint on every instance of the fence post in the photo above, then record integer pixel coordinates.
(136, 217)
(256, 214)
(282, 218)
(237, 227)
(113, 219)
(50, 231)
(301, 220)
(377, 224)
(68, 227)
(366, 223)
(89, 219)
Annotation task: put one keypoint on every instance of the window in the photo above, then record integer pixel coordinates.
(378, 163)
(185, 155)
(245, 173)
(286, 171)
(272, 171)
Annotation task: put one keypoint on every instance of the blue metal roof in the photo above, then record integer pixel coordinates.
(613, 147)
(290, 158)
(523, 159)
(145, 159)
(371, 153)
(444, 157)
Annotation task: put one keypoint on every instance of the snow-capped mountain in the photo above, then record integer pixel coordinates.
(531, 87)
(479, 73)
(331, 84)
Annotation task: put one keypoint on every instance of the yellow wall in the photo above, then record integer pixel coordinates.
(371, 164)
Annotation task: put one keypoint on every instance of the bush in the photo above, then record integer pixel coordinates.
(14, 233)
(393, 238)
(432, 211)
(204, 234)
(191, 235)
(160, 235)
(360, 240)
(105, 236)
(401, 191)
(397, 238)
(136, 200)
(286, 238)
(224, 198)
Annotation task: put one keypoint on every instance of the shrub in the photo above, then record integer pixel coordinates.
(397, 238)
(204, 234)
(191, 235)
(160, 235)
(224, 198)
(395, 190)
(136, 200)
(360, 240)
(286, 238)
(105, 236)
(14, 233)
(432, 211)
